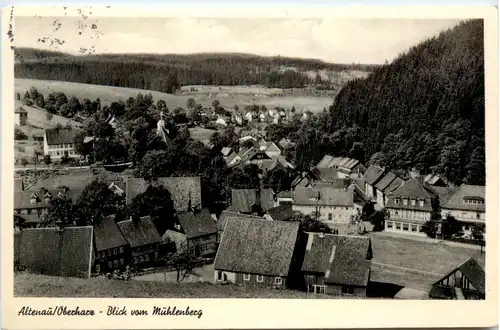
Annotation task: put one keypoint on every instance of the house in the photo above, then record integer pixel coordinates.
(33, 205)
(185, 191)
(467, 205)
(331, 206)
(251, 200)
(249, 117)
(385, 186)
(226, 151)
(372, 176)
(286, 143)
(233, 159)
(118, 188)
(177, 238)
(225, 215)
(467, 281)
(285, 198)
(56, 252)
(60, 142)
(337, 265)
(346, 167)
(200, 230)
(435, 180)
(410, 206)
(257, 253)
(221, 122)
(112, 250)
(143, 239)
(280, 213)
(271, 149)
(20, 117)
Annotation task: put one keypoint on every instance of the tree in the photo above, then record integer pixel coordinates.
(47, 160)
(310, 224)
(478, 235)
(61, 211)
(215, 104)
(27, 100)
(18, 96)
(161, 106)
(33, 93)
(95, 202)
(157, 203)
(357, 152)
(183, 262)
(278, 179)
(450, 226)
(40, 101)
(156, 164)
(430, 228)
(24, 161)
(49, 116)
(191, 104)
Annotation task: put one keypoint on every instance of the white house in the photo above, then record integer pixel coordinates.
(58, 142)
(467, 205)
(20, 116)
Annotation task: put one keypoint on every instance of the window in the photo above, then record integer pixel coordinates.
(347, 209)
(110, 264)
(121, 261)
(115, 263)
(319, 289)
(57, 153)
(405, 227)
(260, 278)
(98, 268)
(405, 201)
(421, 229)
(219, 275)
(347, 289)
(413, 202)
(246, 277)
(421, 202)
(109, 253)
(398, 225)
(278, 280)
(115, 251)
(396, 200)
(478, 216)
(389, 224)
(414, 228)
(396, 213)
(33, 201)
(330, 216)
(146, 257)
(134, 260)
(156, 255)
(121, 249)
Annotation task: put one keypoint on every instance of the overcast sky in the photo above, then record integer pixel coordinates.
(332, 40)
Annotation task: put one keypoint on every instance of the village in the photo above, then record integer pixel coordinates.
(339, 228)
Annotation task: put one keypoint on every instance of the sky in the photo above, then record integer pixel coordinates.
(367, 41)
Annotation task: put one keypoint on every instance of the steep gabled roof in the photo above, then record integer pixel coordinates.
(413, 189)
(395, 184)
(473, 272)
(196, 224)
(373, 174)
(141, 233)
(341, 259)
(107, 235)
(225, 215)
(324, 162)
(385, 181)
(457, 197)
(257, 247)
(323, 196)
(281, 212)
(242, 200)
(184, 190)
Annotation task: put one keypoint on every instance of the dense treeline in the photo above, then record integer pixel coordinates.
(165, 73)
(426, 109)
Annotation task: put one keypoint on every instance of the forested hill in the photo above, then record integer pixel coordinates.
(426, 109)
(166, 72)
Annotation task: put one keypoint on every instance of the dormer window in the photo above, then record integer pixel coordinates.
(405, 201)
(396, 200)
(473, 200)
(33, 199)
(421, 202)
(413, 202)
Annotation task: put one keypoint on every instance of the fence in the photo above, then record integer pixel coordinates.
(406, 270)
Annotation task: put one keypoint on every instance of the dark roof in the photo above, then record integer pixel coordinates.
(22, 199)
(75, 179)
(433, 179)
(373, 174)
(257, 247)
(197, 223)
(141, 233)
(473, 272)
(395, 184)
(20, 110)
(107, 235)
(60, 136)
(442, 292)
(327, 196)
(385, 181)
(51, 251)
(456, 198)
(281, 212)
(243, 199)
(342, 259)
(225, 215)
(413, 189)
(328, 174)
(182, 189)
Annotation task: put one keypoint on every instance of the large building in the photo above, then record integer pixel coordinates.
(467, 205)
(410, 206)
(60, 142)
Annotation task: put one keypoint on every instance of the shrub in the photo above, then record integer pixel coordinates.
(19, 135)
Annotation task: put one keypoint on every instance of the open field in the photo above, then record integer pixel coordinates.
(430, 257)
(108, 94)
(51, 286)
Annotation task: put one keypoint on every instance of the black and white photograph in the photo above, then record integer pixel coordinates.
(226, 157)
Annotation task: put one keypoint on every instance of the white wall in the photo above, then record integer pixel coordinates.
(231, 277)
(340, 214)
